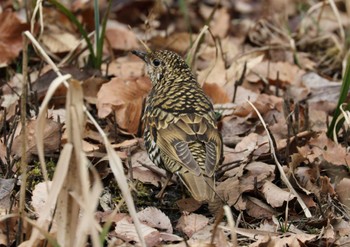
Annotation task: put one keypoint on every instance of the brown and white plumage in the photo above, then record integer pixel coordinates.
(180, 127)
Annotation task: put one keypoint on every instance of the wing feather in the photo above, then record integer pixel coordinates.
(173, 139)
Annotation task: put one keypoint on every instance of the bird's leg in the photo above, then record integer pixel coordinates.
(169, 175)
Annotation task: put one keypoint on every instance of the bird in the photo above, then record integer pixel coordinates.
(180, 127)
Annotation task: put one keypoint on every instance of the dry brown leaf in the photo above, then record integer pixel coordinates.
(126, 231)
(110, 215)
(343, 191)
(141, 161)
(255, 173)
(216, 93)
(321, 146)
(288, 239)
(326, 186)
(258, 209)
(177, 41)
(167, 237)
(280, 74)
(91, 86)
(274, 195)
(6, 187)
(120, 37)
(215, 72)
(51, 134)
(126, 67)
(229, 191)
(155, 218)
(188, 204)
(3, 152)
(343, 227)
(125, 97)
(234, 128)
(11, 39)
(146, 176)
(265, 103)
(320, 89)
(58, 41)
(191, 223)
(220, 24)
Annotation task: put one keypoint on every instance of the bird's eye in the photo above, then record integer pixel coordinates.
(156, 62)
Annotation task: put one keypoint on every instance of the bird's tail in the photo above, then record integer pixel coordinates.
(201, 187)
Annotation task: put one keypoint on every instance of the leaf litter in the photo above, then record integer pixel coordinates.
(287, 60)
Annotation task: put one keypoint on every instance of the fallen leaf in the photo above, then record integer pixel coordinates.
(215, 72)
(190, 224)
(51, 135)
(155, 218)
(58, 41)
(125, 97)
(188, 204)
(126, 67)
(120, 37)
(11, 39)
(177, 41)
(274, 195)
(343, 191)
(6, 189)
(126, 231)
(216, 93)
(258, 209)
(280, 74)
(321, 146)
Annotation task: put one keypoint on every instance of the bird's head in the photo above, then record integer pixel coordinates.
(164, 66)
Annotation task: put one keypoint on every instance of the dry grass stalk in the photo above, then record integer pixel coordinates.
(279, 166)
(71, 193)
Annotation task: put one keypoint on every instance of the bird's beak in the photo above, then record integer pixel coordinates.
(140, 54)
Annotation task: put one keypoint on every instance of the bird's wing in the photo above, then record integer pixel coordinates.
(173, 138)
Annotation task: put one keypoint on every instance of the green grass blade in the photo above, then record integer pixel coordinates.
(99, 48)
(80, 27)
(97, 31)
(343, 94)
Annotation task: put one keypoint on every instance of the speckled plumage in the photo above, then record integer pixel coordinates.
(180, 127)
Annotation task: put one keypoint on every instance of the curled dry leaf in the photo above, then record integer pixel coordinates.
(58, 41)
(234, 128)
(258, 209)
(126, 231)
(274, 195)
(120, 37)
(150, 173)
(215, 72)
(11, 28)
(155, 218)
(190, 224)
(52, 138)
(255, 173)
(125, 97)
